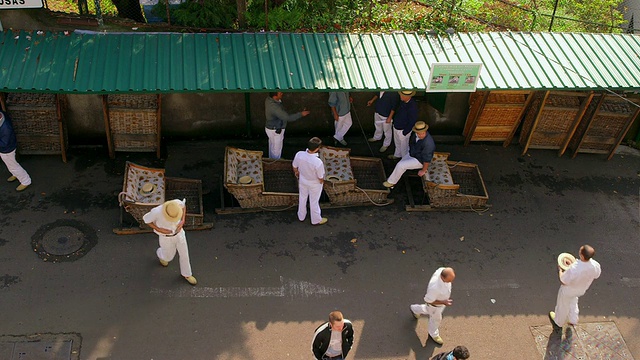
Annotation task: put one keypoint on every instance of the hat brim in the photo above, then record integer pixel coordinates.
(154, 187)
(565, 260)
(245, 180)
(333, 178)
(412, 93)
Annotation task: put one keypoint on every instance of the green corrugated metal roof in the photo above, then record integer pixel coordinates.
(171, 62)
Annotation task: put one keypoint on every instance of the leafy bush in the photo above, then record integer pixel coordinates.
(199, 13)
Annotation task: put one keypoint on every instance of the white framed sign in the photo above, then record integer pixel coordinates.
(453, 77)
(21, 4)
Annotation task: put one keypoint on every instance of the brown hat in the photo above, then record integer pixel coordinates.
(420, 127)
(407, 92)
(172, 210)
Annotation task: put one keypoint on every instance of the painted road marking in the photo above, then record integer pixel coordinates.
(288, 288)
(491, 284)
(630, 282)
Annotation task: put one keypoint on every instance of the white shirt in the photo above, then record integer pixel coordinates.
(309, 166)
(579, 276)
(335, 344)
(155, 216)
(437, 289)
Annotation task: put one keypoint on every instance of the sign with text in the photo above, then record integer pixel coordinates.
(20, 4)
(453, 77)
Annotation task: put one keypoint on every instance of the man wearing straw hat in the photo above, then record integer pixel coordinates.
(167, 220)
(575, 282)
(405, 116)
(8, 145)
(421, 149)
(309, 170)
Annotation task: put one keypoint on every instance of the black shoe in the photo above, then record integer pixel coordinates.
(552, 319)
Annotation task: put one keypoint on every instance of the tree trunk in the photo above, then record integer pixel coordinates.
(129, 9)
(241, 6)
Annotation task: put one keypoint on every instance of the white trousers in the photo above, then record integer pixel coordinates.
(406, 163)
(566, 307)
(311, 192)
(435, 316)
(275, 143)
(15, 169)
(342, 126)
(168, 247)
(382, 128)
(402, 143)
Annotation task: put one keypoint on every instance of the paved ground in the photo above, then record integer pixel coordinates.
(266, 280)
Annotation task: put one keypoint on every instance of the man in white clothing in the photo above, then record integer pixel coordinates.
(167, 220)
(340, 103)
(575, 282)
(309, 170)
(436, 299)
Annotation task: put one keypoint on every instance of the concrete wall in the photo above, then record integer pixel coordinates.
(216, 116)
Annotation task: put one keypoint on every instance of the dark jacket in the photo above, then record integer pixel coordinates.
(406, 116)
(422, 149)
(8, 141)
(389, 101)
(322, 336)
(442, 356)
(277, 118)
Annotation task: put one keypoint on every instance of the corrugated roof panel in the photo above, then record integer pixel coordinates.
(159, 62)
(623, 67)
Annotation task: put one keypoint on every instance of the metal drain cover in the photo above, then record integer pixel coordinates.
(63, 240)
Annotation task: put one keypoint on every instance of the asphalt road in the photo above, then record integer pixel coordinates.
(265, 280)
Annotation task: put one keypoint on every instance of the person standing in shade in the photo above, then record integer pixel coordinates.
(333, 339)
(458, 353)
(309, 170)
(276, 122)
(404, 118)
(575, 282)
(436, 299)
(167, 220)
(340, 103)
(386, 103)
(8, 145)
(421, 149)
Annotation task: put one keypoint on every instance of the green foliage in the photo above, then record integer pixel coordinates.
(199, 13)
(71, 7)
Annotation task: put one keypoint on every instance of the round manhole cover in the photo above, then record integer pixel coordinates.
(63, 240)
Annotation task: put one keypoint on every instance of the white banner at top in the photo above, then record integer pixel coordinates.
(20, 4)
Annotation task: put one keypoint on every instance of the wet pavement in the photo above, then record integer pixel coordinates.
(265, 280)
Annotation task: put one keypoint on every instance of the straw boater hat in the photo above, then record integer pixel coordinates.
(420, 127)
(148, 189)
(565, 260)
(172, 210)
(245, 180)
(407, 92)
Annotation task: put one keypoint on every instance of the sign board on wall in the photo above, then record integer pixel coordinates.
(453, 77)
(21, 4)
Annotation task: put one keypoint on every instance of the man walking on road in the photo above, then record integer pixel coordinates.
(436, 299)
(8, 145)
(276, 122)
(333, 339)
(309, 170)
(575, 282)
(167, 220)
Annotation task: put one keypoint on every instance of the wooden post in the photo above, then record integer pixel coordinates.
(63, 148)
(509, 138)
(158, 126)
(590, 122)
(623, 133)
(535, 123)
(576, 122)
(107, 125)
(475, 116)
